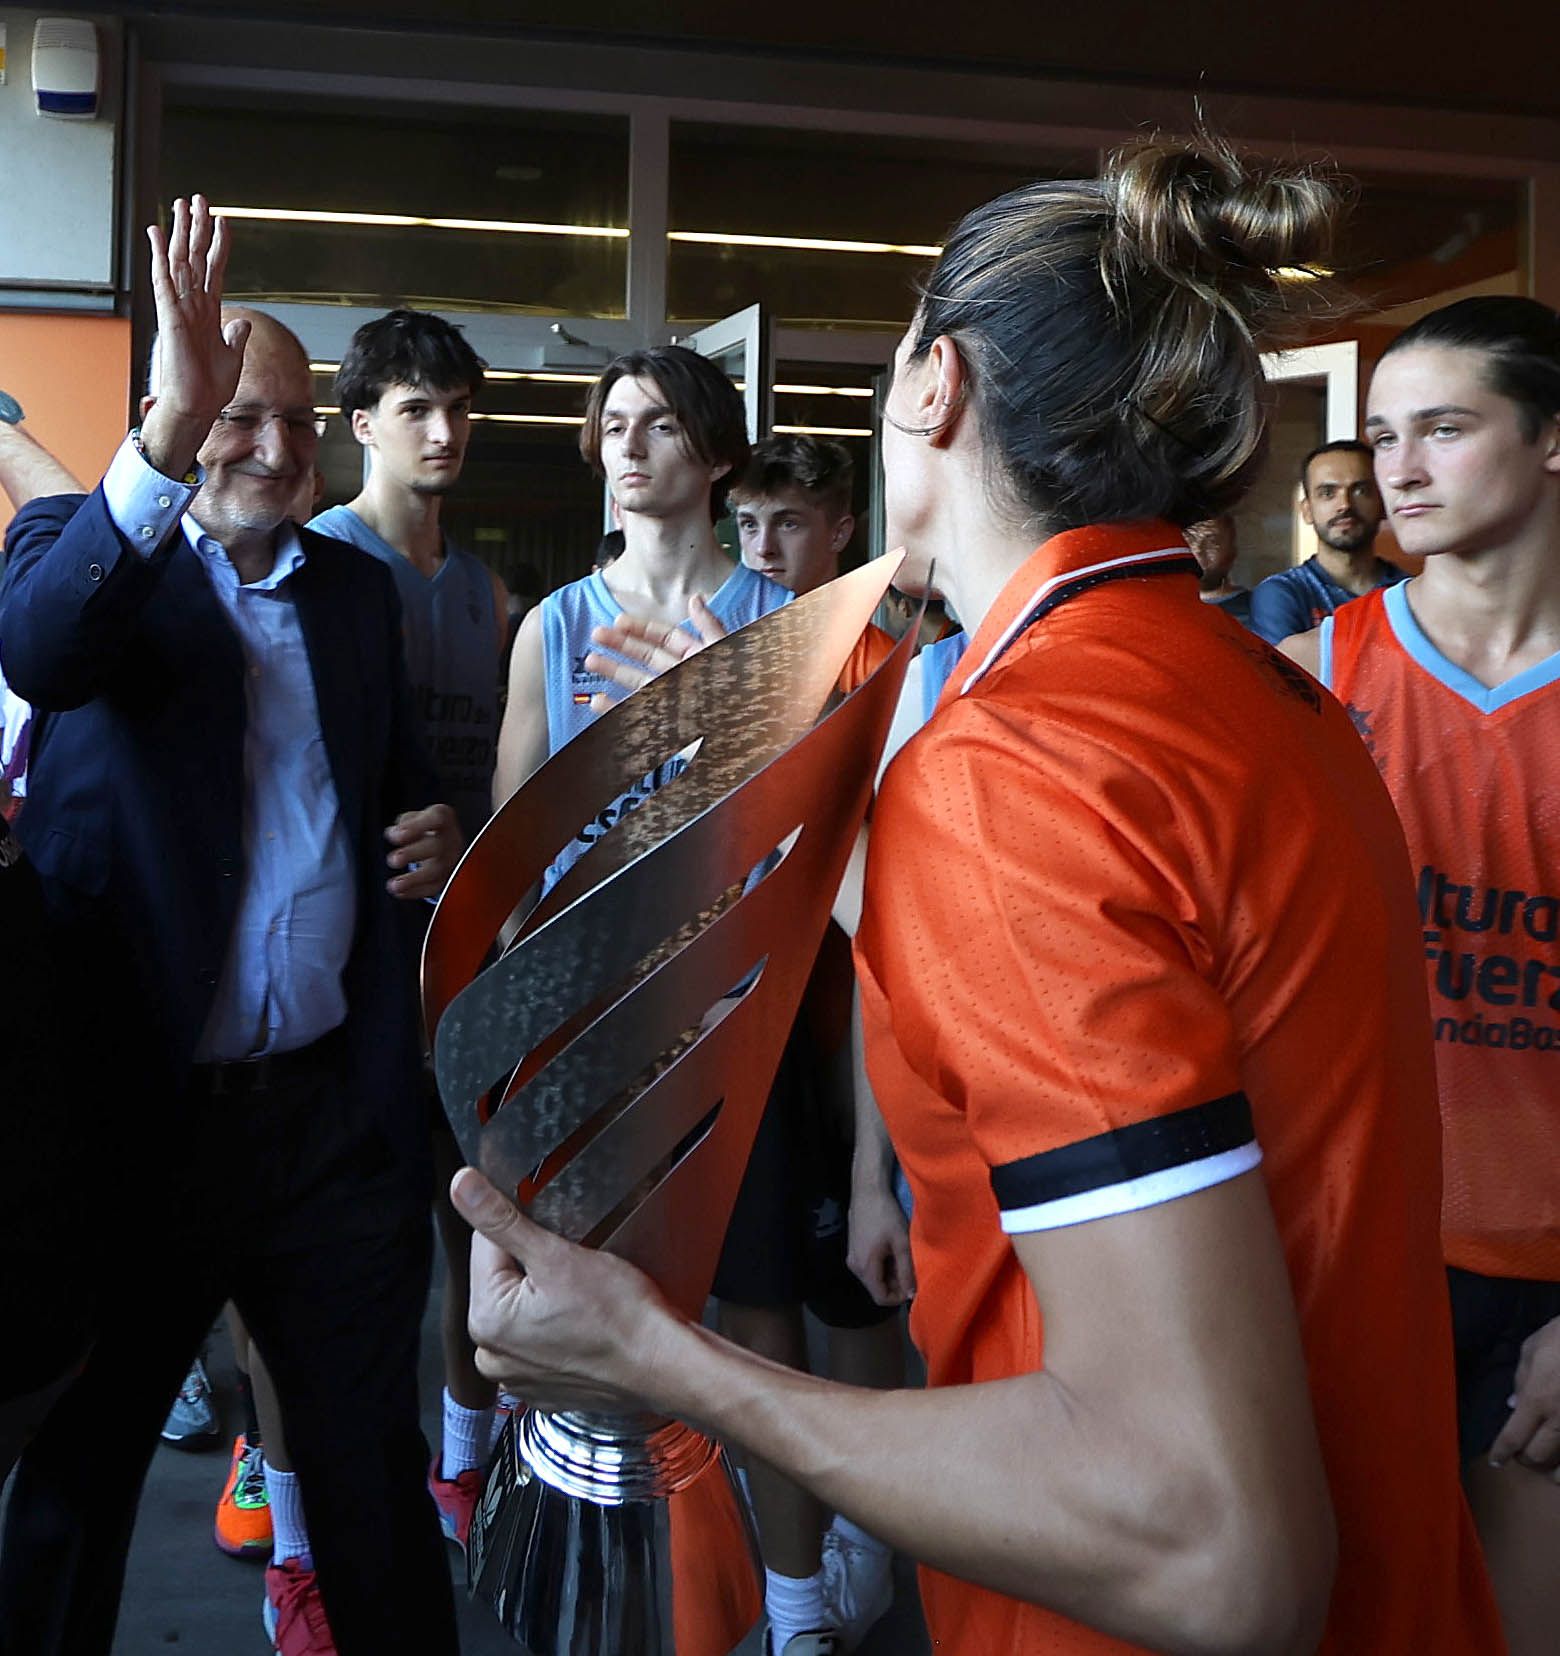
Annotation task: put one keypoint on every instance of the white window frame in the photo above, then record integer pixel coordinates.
(1336, 368)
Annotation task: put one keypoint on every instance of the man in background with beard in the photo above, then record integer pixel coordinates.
(1341, 502)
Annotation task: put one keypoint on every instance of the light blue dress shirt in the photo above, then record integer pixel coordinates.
(280, 986)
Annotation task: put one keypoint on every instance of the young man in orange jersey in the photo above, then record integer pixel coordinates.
(1453, 681)
(792, 503)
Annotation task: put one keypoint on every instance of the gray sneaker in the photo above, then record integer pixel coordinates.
(192, 1421)
(858, 1586)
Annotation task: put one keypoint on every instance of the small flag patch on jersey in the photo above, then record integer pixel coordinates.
(582, 698)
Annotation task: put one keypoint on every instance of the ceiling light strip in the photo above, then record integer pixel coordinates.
(550, 376)
(822, 390)
(527, 227)
(810, 244)
(407, 221)
(533, 419)
(821, 431)
(562, 377)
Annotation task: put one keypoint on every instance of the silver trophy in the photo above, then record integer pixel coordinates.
(608, 1068)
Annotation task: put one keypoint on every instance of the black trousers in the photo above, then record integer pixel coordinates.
(275, 1198)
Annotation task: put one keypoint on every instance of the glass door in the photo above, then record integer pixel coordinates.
(743, 345)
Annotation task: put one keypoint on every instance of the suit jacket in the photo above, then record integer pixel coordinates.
(134, 811)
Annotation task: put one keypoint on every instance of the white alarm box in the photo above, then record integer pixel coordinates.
(65, 67)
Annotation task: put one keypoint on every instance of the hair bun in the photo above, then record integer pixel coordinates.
(1193, 211)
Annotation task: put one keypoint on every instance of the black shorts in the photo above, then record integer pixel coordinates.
(54, 1165)
(1491, 1317)
(788, 1236)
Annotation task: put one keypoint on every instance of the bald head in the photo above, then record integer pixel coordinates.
(267, 336)
(260, 452)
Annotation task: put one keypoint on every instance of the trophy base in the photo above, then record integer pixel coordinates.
(603, 1535)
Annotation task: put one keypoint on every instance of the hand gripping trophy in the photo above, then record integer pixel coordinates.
(609, 1067)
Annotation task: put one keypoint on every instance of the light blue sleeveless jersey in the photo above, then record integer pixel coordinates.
(938, 661)
(452, 661)
(567, 618)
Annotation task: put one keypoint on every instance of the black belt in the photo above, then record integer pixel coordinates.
(268, 1072)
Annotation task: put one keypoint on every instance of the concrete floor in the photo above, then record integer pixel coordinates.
(181, 1593)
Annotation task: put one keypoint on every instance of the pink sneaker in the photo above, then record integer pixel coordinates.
(456, 1499)
(294, 1612)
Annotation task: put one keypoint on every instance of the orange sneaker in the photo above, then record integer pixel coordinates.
(243, 1526)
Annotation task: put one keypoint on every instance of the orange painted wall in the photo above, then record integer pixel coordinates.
(71, 374)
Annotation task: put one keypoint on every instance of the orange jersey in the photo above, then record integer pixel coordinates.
(873, 648)
(1139, 919)
(1470, 770)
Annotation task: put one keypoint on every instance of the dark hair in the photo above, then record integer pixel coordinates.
(820, 468)
(1110, 329)
(405, 347)
(608, 549)
(710, 415)
(1339, 445)
(1520, 340)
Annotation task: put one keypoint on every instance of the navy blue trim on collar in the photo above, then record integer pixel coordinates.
(1173, 563)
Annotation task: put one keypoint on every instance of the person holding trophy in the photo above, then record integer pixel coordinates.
(1141, 986)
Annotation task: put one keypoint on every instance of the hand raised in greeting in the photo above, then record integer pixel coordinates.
(199, 359)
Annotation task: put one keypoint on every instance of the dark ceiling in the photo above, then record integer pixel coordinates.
(1496, 57)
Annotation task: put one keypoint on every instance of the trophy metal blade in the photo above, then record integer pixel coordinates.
(608, 1070)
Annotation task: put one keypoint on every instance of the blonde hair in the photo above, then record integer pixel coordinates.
(1111, 328)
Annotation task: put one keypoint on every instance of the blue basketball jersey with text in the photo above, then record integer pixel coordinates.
(450, 632)
(567, 618)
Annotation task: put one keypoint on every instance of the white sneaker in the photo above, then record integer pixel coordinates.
(858, 1586)
(824, 1641)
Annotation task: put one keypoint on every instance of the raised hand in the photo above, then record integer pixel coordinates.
(651, 646)
(199, 360)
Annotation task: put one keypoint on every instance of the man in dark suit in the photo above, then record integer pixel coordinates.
(222, 735)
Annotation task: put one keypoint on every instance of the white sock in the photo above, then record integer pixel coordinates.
(848, 1531)
(505, 1405)
(468, 1435)
(289, 1533)
(795, 1605)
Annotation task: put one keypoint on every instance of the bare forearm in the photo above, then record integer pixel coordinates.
(873, 1163)
(28, 470)
(1013, 1484)
(1159, 1478)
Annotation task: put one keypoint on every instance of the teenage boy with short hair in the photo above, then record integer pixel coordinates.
(666, 429)
(794, 520)
(406, 385)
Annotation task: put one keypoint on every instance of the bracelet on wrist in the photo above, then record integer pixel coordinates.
(190, 479)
